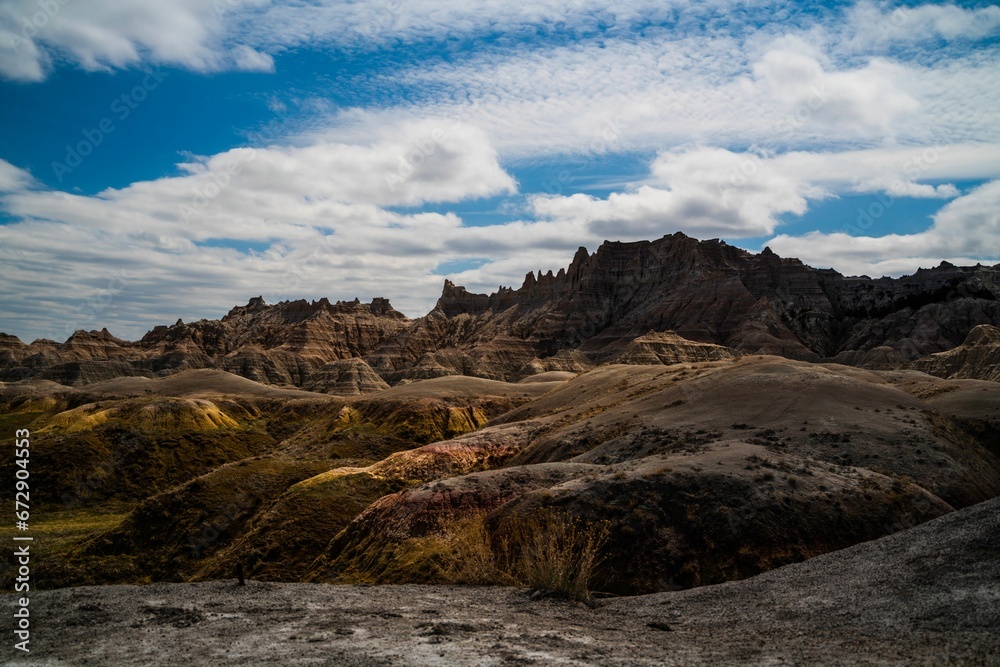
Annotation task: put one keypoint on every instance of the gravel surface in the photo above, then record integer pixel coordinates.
(926, 596)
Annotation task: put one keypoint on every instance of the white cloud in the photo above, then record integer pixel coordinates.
(965, 231)
(779, 91)
(868, 99)
(249, 60)
(696, 197)
(20, 58)
(873, 25)
(716, 192)
(14, 179)
(367, 22)
(110, 34)
(244, 34)
(790, 83)
(279, 192)
(317, 215)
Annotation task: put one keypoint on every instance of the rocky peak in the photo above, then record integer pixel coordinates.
(456, 300)
(9, 342)
(88, 337)
(706, 291)
(667, 348)
(254, 305)
(984, 334)
(381, 307)
(717, 293)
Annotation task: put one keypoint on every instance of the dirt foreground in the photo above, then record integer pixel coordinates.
(926, 596)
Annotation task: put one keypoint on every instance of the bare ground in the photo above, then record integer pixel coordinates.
(926, 596)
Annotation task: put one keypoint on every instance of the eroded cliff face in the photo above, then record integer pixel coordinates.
(978, 358)
(704, 291)
(283, 344)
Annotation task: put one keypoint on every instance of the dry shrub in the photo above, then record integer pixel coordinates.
(544, 550)
(471, 555)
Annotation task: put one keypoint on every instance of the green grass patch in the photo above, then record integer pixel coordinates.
(10, 423)
(57, 534)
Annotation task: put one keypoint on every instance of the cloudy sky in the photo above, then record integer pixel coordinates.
(170, 159)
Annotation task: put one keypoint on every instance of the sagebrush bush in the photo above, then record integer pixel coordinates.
(544, 550)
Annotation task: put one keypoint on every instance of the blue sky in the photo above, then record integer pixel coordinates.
(172, 159)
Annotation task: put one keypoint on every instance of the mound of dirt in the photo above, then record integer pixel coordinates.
(193, 383)
(666, 348)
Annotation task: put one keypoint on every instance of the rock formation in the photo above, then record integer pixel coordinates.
(348, 377)
(668, 348)
(978, 358)
(280, 344)
(704, 291)
(704, 475)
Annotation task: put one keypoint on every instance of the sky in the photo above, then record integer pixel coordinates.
(172, 159)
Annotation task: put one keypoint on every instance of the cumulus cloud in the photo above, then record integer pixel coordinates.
(794, 83)
(712, 191)
(244, 34)
(274, 192)
(14, 179)
(782, 91)
(696, 197)
(965, 231)
(873, 24)
(287, 221)
(250, 60)
(867, 99)
(111, 34)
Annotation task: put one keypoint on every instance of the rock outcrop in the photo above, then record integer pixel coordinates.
(704, 291)
(978, 358)
(281, 345)
(564, 361)
(668, 348)
(348, 377)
